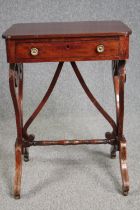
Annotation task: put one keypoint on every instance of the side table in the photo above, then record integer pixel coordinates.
(60, 42)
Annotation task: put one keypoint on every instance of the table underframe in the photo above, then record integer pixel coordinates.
(24, 140)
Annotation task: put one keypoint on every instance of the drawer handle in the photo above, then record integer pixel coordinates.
(34, 51)
(100, 48)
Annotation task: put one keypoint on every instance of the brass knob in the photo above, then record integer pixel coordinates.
(34, 51)
(100, 48)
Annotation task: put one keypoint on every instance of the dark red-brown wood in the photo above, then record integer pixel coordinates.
(60, 50)
(67, 29)
(73, 41)
(60, 42)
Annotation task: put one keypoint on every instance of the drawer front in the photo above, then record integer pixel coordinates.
(67, 50)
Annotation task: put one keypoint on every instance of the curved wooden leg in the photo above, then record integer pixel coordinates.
(108, 135)
(18, 171)
(115, 77)
(15, 82)
(123, 167)
(25, 150)
(92, 98)
(121, 138)
(31, 137)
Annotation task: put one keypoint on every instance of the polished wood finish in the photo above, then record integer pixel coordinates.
(119, 78)
(16, 81)
(60, 42)
(67, 29)
(60, 50)
(69, 142)
(67, 49)
(67, 41)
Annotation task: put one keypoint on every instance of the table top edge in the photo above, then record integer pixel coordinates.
(83, 31)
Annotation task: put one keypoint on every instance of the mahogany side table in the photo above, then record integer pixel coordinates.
(60, 42)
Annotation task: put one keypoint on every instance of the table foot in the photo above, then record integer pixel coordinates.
(18, 171)
(125, 191)
(113, 151)
(26, 154)
(31, 138)
(123, 167)
(16, 196)
(114, 148)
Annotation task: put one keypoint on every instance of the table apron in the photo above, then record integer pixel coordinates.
(115, 48)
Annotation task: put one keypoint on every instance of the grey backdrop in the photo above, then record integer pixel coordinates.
(70, 178)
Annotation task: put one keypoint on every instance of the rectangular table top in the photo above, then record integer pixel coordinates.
(66, 29)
